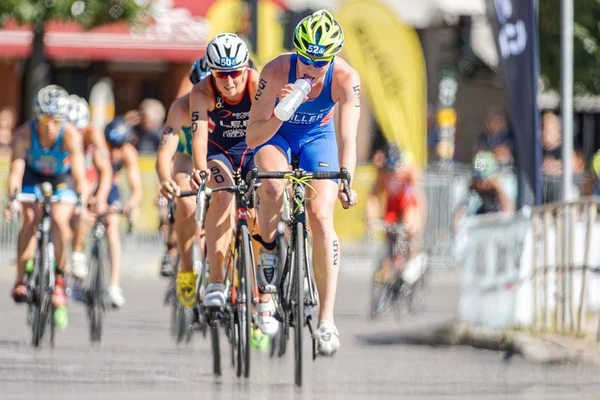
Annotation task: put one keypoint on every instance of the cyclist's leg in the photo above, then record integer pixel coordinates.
(275, 155)
(113, 236)
(79, 260)
(26, 246)
(219, 223)
(61, 235)
(32, 213)
(321, 154)
(414, 264)
(169, 259)
(185, 228)
(79, 226)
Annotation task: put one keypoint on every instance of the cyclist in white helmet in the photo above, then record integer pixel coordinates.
(96, 149)
(310, 134)
(47, 149)
(220, 106)
(174, 167)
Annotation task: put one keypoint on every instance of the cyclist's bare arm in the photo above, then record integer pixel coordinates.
(201, 99)
(73, 143)
(20, 144)
(346, 92)
(263, 123)
(177, 117)
(101, 158)
(134, 177)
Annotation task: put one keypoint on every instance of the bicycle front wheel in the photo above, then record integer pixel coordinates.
(244, 303)
(216, 350)
(96, 294)
(298, 300)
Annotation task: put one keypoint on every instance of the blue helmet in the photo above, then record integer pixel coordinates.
(118, 132)
(199, 70)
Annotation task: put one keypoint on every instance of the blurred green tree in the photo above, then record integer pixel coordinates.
(88, 14)
(586, 46)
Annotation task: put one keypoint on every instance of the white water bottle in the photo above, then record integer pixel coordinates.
(290, 103)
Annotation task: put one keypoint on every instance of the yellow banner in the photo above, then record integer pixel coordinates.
(229, 16)
(388, 57)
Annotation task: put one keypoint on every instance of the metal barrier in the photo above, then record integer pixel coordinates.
(562, 284)
(552, 187)
(516, 273)
(489, 247)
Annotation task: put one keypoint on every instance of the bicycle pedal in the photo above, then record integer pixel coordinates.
(268, 289)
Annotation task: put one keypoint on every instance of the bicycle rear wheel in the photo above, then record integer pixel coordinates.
(298, 300)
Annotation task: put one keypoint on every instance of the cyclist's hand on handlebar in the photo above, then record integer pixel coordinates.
(344, 199)
(97, 207)
(13, 208)
(169, 188)
(130, 210)
(197, 177)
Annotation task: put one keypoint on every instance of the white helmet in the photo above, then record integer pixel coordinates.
(227, 52)
(52, 101)
(79, 112)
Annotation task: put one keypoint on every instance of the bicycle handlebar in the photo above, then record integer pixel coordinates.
(342, 175)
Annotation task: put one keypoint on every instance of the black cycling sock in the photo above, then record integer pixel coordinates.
(268, 246)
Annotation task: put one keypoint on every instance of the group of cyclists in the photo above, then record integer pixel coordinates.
(225, 123)
(55, 147)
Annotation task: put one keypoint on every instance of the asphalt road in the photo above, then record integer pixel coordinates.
(137, 358)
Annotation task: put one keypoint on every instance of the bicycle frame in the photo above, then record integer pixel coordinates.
(291, 297)
(40, 295)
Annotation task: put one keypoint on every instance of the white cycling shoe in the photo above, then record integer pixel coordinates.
(266, 279)
(214, 297)
(80, 267)
(268, 324)
(115, 294)
(328, 338)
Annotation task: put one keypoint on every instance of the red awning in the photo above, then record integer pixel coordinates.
(178, 33)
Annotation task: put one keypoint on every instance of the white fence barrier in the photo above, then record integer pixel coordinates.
(507, 284)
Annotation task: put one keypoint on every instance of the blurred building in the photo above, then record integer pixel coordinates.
(153, 63)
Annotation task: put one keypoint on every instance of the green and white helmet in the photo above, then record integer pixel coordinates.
(319, 35)
(485, 165)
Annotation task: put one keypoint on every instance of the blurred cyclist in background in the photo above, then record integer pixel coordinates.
(47, 149)
(118, 133)
(96, 150)
(400, 183)
(174, 168)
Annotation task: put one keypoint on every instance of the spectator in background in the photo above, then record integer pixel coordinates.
(552, 164)
(552, 147)
(490, 190)
(7, 124)
(495, 133)
(147, 132)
